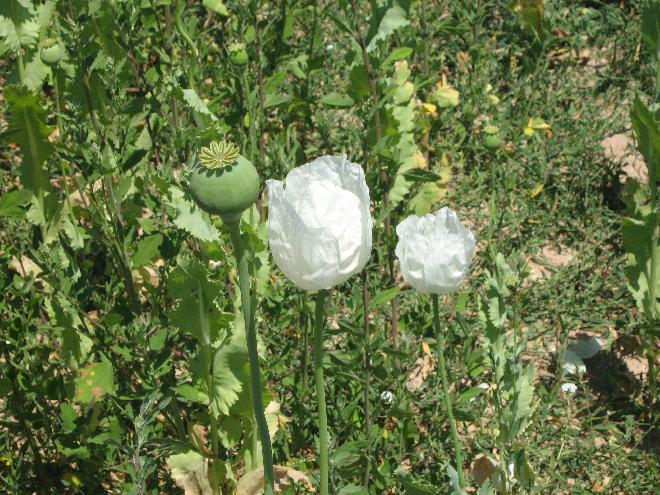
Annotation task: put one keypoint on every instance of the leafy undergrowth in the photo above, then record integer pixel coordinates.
(105, 259)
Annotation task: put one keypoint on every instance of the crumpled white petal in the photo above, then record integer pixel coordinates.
(434, 251)
(320, 222)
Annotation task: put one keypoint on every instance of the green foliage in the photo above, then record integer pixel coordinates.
(651, 25)
(108, 266)
(229, 370)
(94, 381)
(28, 129)
(385, 21)
(196, 312)
(190, 217)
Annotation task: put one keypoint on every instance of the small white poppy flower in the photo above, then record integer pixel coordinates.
(569, 388)
(434, 251)
(319, 224)
(387, 397)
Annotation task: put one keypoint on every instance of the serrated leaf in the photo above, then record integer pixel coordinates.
(229, 370)
(190, 97)
(28, 129)
(190, 217)
(35, 73)
(395, 17)
(196, 312)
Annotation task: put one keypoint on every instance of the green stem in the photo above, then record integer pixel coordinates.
(247, 301)
(319, 323)
(458, 454)
(367, 375)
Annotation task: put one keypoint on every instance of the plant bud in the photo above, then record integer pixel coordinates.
(50, 52)
(238, 54)
(492, 137)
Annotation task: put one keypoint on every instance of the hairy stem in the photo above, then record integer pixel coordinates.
(367, 375)
(319, 323)
(458, 453)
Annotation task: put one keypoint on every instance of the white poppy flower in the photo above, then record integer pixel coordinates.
(387, 397)
(434, 251)
(319, 223)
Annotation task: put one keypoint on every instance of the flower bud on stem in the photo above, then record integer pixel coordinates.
(319, 323)
(458, 454)
(248, 303)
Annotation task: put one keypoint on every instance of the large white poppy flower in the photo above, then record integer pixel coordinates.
(320, 223)
(434, 251)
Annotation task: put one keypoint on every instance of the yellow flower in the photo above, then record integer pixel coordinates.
(430, 109)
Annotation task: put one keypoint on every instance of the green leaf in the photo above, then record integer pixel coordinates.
(95, 381)
(196, 312)
(11, 202)
(217, 6)
(147, 250)
(276, 99)
(638, 242)
(28, 129)
(470, 393)
(358, 88)
(194, 102)
(412, 486)
(353, 490)
(337, 100)
(192, 394)
(190, 471)
(229, 370)
(647, 132)
(454, 482)
(394, 18)
(383, 297)
(349, 458)
(190, 217)
(651, 25)
(395, 55)
(421, 175)
(432, 192)
(73, 452)
(68, 416)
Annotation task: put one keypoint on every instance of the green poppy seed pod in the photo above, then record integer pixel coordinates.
(224, 182)
(492, 137)
(50, 52)
(238, 54)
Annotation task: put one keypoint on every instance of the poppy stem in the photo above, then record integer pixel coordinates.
(458, 454)
(248, 302)
(319, 323)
